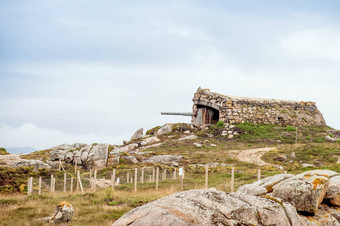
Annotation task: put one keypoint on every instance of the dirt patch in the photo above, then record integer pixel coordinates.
(251, 155)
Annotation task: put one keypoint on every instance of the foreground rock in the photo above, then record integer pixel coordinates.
(333, 192)
(62, 214)
(304, 191)
(210, 207)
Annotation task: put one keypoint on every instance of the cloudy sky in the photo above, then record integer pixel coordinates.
(95, 71)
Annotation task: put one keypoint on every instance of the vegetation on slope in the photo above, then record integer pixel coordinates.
(3, 151)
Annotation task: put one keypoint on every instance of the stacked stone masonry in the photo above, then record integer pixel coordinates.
(213, 107)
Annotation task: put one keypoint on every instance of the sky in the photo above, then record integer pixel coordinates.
(96, 71)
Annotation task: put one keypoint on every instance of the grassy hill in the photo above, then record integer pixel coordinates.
(291, 151)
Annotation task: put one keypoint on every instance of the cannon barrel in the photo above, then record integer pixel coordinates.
(177, 113)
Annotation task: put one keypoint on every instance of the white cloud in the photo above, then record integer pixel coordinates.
(318, 43)
(41, 138)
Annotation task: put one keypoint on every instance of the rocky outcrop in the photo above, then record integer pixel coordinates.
(304, 194)
(164, 159)
(31, 162)
(137, 135)
(282, 199)
(304, 191)
(333, 191)
(83, 154)
(164, 130)
(62, 214)
(210, 207)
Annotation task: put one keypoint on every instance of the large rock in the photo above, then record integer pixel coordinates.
(164, 130)
(31, 162)
(149, 140)
(164, 159)
(210, 207)
(131, 158)
(126, 148)
(57, 155)
(190, 137)
(304, 193)
(62, 214)
(137, 135)
(263, 186)
(333, 191)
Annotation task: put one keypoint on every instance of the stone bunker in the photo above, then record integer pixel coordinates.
(210, 107)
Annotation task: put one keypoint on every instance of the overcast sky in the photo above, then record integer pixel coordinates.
(95, 71)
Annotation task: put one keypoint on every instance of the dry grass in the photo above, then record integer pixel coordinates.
(100, 208)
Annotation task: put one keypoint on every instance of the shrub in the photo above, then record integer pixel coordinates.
(291, 128)
(220, 124)
(3, 151)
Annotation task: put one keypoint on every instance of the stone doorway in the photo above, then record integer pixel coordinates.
(206, 115)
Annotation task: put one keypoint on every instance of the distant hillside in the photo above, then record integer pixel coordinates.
(18, 150)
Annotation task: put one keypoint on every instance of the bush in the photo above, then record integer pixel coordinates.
(291, 128)
(220, 124)
(3, 151)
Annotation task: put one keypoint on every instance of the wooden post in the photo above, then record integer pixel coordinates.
(174, 176)
(296, 135)
(181, 177)
(142, 180)
(80, 184)
(29, 186)
(135, 180)
(51, 184)
(39, 191)
(77, 182)
(113, 178)
(164, 174)
(285, 172)
(157, 177)
(90, 173)
(75, 166)
(65, 178)
(127, 178)
(95, 180)
(206, 177)
(153, 175)
(259, 174)
(232, 180)
(131, 180)
(71, 188)
(150, 178)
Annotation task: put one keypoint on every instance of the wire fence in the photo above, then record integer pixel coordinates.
(148, 177)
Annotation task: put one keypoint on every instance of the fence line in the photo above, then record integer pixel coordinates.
(158, 175)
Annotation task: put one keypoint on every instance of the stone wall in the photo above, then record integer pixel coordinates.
(257, 110)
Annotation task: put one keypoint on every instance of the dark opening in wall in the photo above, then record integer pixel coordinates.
(206, 115)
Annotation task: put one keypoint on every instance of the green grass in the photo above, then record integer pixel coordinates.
(320, 155)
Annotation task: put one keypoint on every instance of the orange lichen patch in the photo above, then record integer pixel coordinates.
(318, 182)
(62, 204)
(307, 175)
